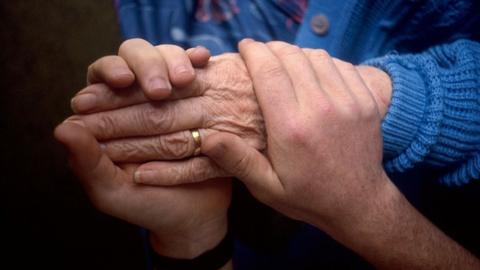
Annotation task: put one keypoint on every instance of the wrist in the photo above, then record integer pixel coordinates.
(362, 213)
(374, 225)
(191, 243)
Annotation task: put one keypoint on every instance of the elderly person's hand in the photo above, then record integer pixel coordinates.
(183, 221)
(220, 99)
(324, 160)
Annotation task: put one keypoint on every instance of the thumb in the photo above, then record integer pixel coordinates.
(236, 157)
(87, 160)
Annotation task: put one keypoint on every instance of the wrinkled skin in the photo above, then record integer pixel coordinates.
(220, 99)
(183, 221)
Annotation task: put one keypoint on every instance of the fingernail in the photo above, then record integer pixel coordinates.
(83, 102)
(121, 73)
(144, 176)
(159, 87)
(159, 83)
(77, 122)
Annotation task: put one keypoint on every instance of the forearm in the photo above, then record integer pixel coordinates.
(391, 234)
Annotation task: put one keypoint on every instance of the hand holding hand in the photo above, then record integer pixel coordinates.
(324, 160)
(323, 137)
(184, 221)
(221, 98)
(227, 103)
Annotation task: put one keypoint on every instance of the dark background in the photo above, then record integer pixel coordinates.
(46, 220)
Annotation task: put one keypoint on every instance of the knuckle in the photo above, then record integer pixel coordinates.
(127, 151)
(128, 44)
(326, 109)
(156, 119)
(351, 108)
(298, 135)
(319, 55)
(106, 126)
(283, 49)
(348, 67)
(307, 51)
(176, 145)
(370, 110)
(124, 47)
(290, 50)
(276, 45)
(169, 48)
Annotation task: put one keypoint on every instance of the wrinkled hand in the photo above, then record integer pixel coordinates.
(220, 99)
(227, 104)
(184, 221)
(324, 137)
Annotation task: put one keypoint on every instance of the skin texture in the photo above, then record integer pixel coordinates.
(175, 215)
(133, 129)
(343, 162)
(220, 99)
(224, 99)
(184, 221)
(337, 170)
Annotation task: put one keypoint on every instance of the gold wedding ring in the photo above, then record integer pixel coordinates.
(197, 140)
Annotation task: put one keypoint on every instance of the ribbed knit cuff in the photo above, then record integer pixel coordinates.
(407, 109)
(434, 116)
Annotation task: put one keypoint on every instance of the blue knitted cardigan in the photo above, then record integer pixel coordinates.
(429, 48)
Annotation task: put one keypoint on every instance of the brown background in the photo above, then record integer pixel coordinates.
(47, 222)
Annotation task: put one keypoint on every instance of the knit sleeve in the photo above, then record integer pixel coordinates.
(434, 115)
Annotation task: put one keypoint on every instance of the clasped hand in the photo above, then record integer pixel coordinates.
(300, 128)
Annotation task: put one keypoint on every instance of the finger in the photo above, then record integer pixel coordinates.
(356, 84)
(86, 158)
(145, 119)
(328, 76)
(272, 85)
(167, 173)
(180, 69)
(237, 158)
(100, 97)
(112, 70)
(299, 69)
(173, 146)
(149, 67)
(199, 56)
